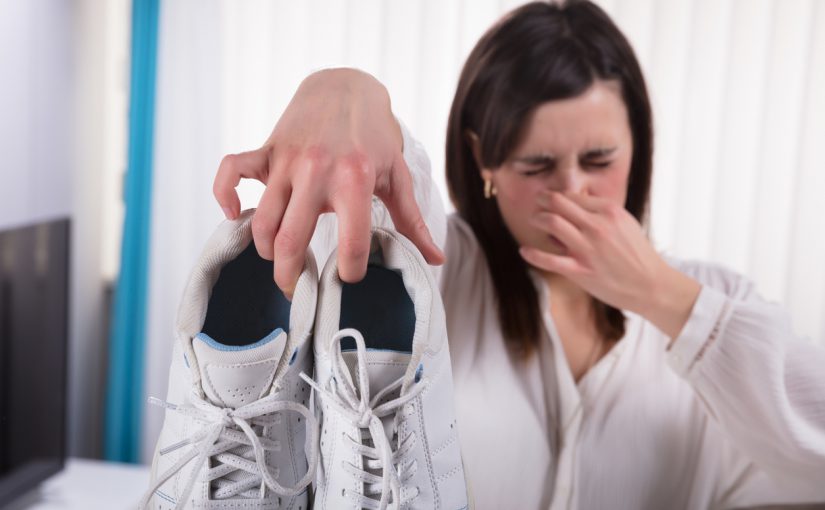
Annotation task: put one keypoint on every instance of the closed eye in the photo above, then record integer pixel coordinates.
(597, 164)
(536, 171)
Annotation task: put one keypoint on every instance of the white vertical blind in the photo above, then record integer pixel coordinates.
(736, 85)
(701, 117)
(776, 188)
(739, 155)
(804, 285)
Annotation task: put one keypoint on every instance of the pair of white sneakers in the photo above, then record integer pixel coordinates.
(243, 429)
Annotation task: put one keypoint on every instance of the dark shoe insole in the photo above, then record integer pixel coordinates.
(245, 304)
(380, 308)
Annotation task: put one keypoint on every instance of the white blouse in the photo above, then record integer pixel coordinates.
(731, 415)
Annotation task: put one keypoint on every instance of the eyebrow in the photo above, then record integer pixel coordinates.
(545, 159)
(600, 152)
(537, 159)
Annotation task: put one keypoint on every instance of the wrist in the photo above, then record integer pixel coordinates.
(671, 301)
(350, 80)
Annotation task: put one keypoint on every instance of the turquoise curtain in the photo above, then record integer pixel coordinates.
(124, 398)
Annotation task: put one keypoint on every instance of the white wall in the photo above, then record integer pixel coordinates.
(37, 91)
(62, 134)
(35, 111)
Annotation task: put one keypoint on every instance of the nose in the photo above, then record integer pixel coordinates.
(568, 178)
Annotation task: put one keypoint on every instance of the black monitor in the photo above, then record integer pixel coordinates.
(34, 275)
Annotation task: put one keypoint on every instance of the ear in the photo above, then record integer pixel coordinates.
(475, 147)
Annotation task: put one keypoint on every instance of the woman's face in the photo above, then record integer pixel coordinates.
(581, 145)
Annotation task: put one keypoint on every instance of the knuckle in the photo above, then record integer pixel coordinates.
(355, 161)
(287, 244)
(317, 156)
(417, 223)
(261, 228)
(228, 163)
(218, 190)
(598, 231)
(354, 248)
(355, 170)
(316, 173)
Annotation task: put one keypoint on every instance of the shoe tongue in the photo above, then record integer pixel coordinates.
(384, 367)
(233, 376)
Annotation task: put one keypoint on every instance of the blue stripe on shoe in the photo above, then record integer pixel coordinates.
(211, 342)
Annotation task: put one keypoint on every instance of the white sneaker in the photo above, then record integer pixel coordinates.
(237, 432)
(383, 387)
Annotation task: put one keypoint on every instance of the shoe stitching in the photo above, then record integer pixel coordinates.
(441, 479)
(426, 448)
(450, 440)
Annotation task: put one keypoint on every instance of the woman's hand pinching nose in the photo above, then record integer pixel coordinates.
(607, 253)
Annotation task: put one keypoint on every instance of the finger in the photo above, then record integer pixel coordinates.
(270, 212)
(353, 206)
(589, 202)
(553, 263)
(573, 211)
(233, 167)
(407, 216)
(565, 231)
(293, 236)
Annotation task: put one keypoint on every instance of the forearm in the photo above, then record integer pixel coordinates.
(758, 381)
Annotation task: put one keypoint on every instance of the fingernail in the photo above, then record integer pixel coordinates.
(227, 212)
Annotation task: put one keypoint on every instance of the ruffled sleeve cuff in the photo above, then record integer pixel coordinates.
(704, 325)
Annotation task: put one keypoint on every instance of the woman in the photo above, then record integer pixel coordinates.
(590, 370)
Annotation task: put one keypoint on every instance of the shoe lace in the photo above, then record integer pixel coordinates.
(230, 435)
(355, 404)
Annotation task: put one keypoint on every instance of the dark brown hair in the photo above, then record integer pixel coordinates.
(537, 53)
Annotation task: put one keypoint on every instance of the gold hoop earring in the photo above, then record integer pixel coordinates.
(489, 189)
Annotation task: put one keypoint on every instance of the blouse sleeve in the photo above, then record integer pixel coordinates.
(762, 384)
(427, 196)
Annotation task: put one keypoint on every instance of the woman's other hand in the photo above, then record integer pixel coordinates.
(609, 256)
(336, 145)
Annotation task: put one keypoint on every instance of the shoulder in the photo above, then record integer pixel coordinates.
(715, 275)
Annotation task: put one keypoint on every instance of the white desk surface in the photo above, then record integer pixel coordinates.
(89, 485)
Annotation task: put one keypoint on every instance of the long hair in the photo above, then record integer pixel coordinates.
(537, 53)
